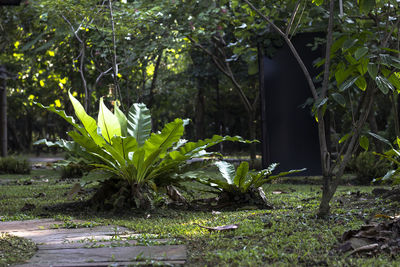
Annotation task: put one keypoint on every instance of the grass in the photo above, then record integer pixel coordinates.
(288, 235)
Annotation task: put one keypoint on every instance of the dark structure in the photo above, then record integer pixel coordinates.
(290, 134)
(10, 2)
(3, 111)
(3, 94)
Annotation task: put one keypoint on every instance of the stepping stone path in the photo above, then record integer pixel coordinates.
(96, 246)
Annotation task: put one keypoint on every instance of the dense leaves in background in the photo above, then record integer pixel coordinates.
(59, 45)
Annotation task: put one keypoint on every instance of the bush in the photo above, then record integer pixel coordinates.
(122, 147)
(72, 171)
(368, 166)
(14, 165)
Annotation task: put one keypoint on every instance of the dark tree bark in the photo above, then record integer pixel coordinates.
(200, 103)
(3, 112)
(154, 80)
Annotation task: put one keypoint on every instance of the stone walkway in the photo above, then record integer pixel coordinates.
(97, 246)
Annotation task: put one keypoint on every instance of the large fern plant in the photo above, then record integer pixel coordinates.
(124, 147)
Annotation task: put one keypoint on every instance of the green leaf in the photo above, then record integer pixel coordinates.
(241, 174)
(170, 134)
(360, 52)
(364, 142)
(342, 74)
(318, 2)
(339, 99)
(88, 122)
(366, 6)
(62, 114)
(227, 171)
(252, 68)
(108, 122)
(362, 67)
(390, 61)
(347, 84)
(124, 145)
(28, 45)
(389, 175)
(139, 123)
(123, 122)
(350, 59)
(380, 138)
(338, 44)
(345, 137)
(372, 70)
(349, 43)
(383, 84)
(284, 174)
(361, 83)
(96, 176)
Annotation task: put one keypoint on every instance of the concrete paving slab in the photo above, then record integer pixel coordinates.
(79, 256)
(96, 246)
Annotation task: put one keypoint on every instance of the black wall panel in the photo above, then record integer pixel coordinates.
(292, 135)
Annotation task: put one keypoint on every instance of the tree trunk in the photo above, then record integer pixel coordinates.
(374, 128)
(221, 114)
(154, 80)
(3, 119)
(252, 133)
(329, 189)
(200, 131)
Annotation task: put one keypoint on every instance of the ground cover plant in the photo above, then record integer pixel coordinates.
(288, 235)
(242, 187)
(16, 165)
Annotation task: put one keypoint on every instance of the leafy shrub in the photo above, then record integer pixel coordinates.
(368, 166)
(123, 147)
(14, 165)
(242, 186)
(392, 156)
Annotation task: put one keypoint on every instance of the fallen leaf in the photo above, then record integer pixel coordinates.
(74, 191)
(383, 216)
(28, 207)
(366, 248)
(220, 228)
(175, 195)
(278, 192)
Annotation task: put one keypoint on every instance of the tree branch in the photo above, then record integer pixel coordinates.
(292, 49)
(296, 9)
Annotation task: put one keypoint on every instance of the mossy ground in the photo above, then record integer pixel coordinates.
(288, 235)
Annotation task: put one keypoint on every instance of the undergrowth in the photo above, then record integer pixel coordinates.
(288, 235)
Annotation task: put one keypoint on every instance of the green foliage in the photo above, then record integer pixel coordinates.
(15, 249)
(367, 166)
(242, 186)
(392, 156)
(72, 171)
(14, 165)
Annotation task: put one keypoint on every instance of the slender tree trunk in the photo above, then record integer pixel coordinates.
(154, 80)
(393, 99)
(374, 128)
(3, 119)
(253, 135)
(200, 102)
(221, 114)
